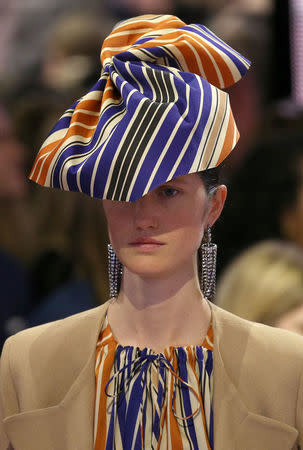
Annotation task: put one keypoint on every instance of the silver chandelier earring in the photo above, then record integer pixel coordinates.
(208, 266)
(115, 271)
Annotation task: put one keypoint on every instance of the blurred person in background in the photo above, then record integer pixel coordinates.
(65, 257)
(69, 269)
(66, 69)
(266, 200)
(70, 61)
(14, 282)
(265, 284)
(25, 28)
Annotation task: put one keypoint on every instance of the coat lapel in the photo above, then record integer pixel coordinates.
(229, 410)
(235, 427)
(69, 423)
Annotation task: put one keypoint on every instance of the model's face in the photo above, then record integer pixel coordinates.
(292, 320)
(160, 233)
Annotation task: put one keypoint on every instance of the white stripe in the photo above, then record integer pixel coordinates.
(146, 75)
(131, 142)
(57, 135)
(164, 151)
(69, 162)
(198, 59)
(168, 43)
(54, 159)
(188, 141)
(155, 133)
(127, 65)
(221, 138)
(107, 136)
(80, 124)
(122, 141)
(212, 36)
(229, 62)
(142, 137)
(89, 113)
(93, 95)
(198, 163)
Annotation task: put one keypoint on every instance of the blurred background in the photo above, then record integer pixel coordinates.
(53, 244)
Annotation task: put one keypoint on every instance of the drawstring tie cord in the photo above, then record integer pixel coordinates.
(138, 362)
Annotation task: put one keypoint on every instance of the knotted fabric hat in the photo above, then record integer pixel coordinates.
(157, 112)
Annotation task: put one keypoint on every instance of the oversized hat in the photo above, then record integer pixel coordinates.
(157, 112)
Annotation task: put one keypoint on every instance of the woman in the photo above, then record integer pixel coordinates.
(158, 366)
(270, 277)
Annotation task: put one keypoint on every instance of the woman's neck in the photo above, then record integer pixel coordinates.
(159, 313)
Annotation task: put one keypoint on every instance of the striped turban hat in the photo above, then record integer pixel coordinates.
(157, 112)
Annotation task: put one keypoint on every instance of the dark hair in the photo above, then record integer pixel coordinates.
(210, 178)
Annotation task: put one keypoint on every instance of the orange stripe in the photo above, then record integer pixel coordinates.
(52, 148)
(89, 105)
(210, 336)
(117, 41)
(176, 439)
(102, 429)
(229, 137)
(86, 119)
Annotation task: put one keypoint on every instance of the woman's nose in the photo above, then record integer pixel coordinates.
(146, 215)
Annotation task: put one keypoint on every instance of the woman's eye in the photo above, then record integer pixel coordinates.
(170, 192)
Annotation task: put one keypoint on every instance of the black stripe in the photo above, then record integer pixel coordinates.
(165, 82)
(168, 83)
(138, 151)
(127, 141)
(162, 86)
(151, 74)
(134, 147)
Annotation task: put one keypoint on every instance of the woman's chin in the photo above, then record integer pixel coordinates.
(148, 269)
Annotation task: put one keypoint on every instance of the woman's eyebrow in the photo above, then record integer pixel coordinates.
(175, 180)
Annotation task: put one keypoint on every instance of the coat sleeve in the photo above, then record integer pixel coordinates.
(8, 398)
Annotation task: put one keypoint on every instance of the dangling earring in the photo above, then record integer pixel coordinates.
(115, 271)
(208, 266)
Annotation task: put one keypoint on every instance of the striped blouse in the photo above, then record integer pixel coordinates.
(146, 400)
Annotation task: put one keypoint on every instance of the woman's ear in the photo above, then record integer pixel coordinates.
(217, 201)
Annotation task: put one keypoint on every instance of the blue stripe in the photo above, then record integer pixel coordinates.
(182, 356)
(189, 156)
(238, 63)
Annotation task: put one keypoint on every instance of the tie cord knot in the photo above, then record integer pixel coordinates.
(142, 364)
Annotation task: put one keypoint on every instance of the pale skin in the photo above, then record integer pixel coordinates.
(292, 320)
(160, 303)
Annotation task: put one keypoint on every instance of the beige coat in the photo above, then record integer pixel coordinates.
(47, 385)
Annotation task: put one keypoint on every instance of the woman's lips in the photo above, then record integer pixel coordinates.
(146, 244)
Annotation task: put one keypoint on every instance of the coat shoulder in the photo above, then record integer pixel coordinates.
(261, 337)
(58, 327)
